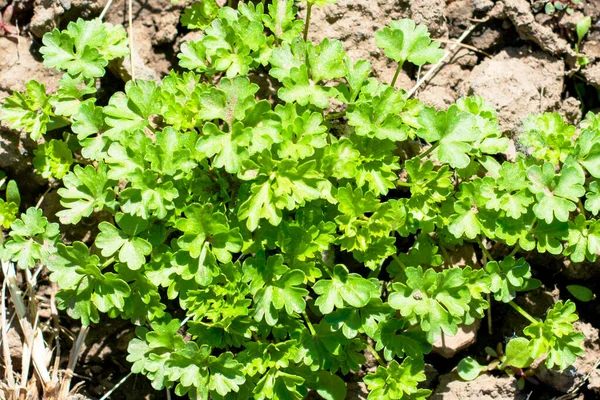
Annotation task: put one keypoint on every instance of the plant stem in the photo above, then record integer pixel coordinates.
(515, 250)
(375, 354)
(428, 151)
(489, 313)
(335, 115)
(433, 69)
(311, 328)
(445, 256)
(484, 250)
(307, 20)
(406, 184)
(400, 64)
(523, 312)
(581, 208)
(400, 263)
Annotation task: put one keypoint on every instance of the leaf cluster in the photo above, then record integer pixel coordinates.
(291, 237)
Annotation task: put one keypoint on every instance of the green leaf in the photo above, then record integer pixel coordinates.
(581, 293)
(517, 354)
(225, 374)
(379, 116)
(326, 60)
(298, 88)
(85, 291)
(508, 277)
(437, 301)
(274, 287)
(404, 41)
(199, 15)
(53, 159)
(85, 47)
(548, 137)
(556, 194)
(455, 132)
(86, 190)
(397, 381)
(30, 111)
(583, 26)
(207, 236)
(132, 249)
(584, 239)
(8, 213)
(556, 336)
(193, 56)
(329, 386)
(32, 239)
(260, 204)
(281, 20)
(469, 369)
(129, 111)
(228, 149)
(344, 288)
(592, 198)
(70, 94)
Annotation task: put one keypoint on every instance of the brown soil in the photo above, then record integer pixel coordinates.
(518, 61)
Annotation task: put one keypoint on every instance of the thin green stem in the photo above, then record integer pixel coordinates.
(523, 312)
(581, 208)
(376, 355)
(400, 64)
(400, 263)
(311, 328)
(484, 250)
(307, 20)
(515, 250)
(489, 313)
(107, 263)
(445, 256)
(406, 184)
(428, 151)
(335, 115)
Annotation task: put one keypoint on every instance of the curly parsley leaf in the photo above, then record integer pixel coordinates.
(85, 47)
(397, 381)
(404, 41)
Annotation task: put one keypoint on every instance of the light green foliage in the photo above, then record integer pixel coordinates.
(85, 47)
(397, 381)
(30, 111)
(510, 276)
(199, 15)
(53, 159)
(292, 239)
(548, 137)
(556, 193)
(556, 336)
(32, 239)
(9, 208)
(344, 288)
(438, 301)
(404, 41)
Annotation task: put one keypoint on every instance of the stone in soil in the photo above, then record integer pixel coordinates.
(448, 346)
